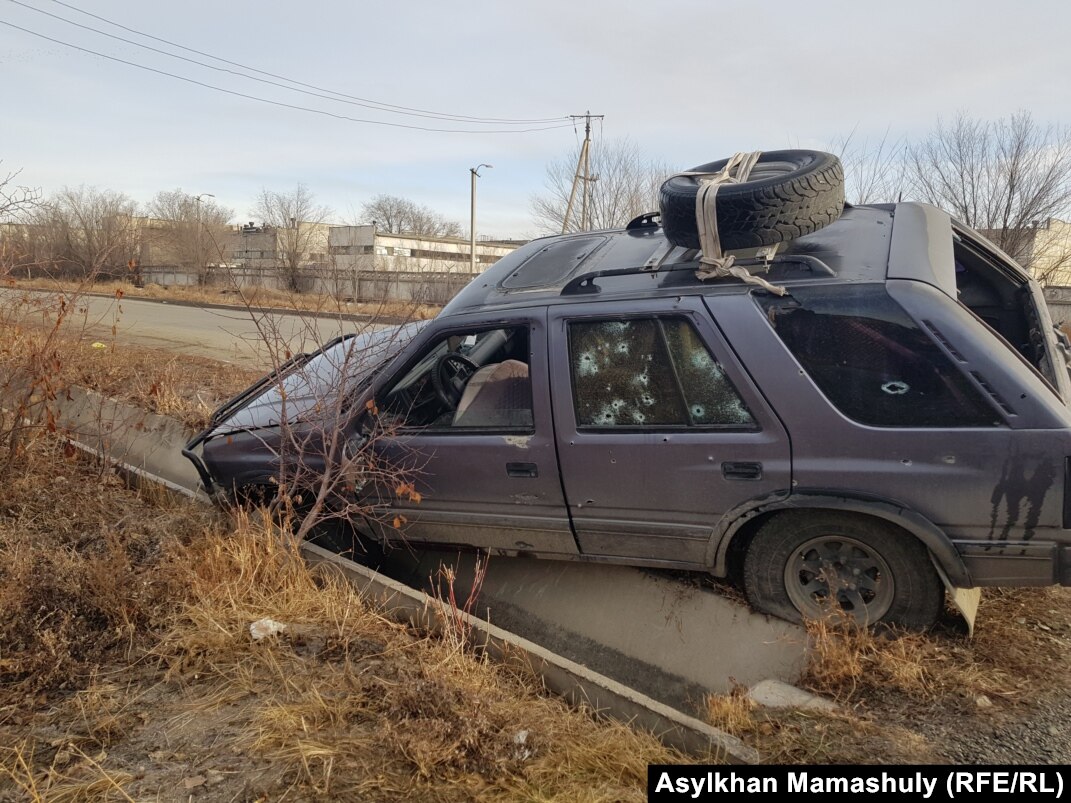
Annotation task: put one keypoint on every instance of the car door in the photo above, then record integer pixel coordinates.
(660, 433)
(485, 476)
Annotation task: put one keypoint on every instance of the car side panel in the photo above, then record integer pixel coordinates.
(657, 495)
(982, 483)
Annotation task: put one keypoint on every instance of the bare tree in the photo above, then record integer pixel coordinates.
(15, 199)
(1008, 178)
(300, 227)
(873, 169)
(86, 231)
(397, 215)
(186, 230)
(627, 185)
(16, 203)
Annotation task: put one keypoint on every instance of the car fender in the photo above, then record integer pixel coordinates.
(936, 540)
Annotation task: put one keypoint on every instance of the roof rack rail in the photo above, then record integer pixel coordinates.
(644, 221)
(585, 282)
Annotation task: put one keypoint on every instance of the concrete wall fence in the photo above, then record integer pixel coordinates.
(1059, 301)
(424, 287)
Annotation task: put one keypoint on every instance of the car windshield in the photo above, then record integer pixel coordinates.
(317, 384)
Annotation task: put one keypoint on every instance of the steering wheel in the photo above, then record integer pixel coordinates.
(451, 372)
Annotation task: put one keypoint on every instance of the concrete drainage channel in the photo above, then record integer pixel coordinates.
(638, 646)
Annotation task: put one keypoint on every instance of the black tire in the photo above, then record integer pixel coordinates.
(905, 588)
(342, 538)
(789, 194)
(253, 495)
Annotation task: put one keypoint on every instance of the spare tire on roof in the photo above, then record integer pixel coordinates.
(787, 195)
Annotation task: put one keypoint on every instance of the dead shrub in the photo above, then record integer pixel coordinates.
(732, 712)
(1020, 635)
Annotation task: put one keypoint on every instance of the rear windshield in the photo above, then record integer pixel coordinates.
(872, 361)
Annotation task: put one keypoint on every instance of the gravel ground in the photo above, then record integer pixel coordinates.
(1035, 733)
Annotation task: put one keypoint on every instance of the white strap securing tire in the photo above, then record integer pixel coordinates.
(717, 264)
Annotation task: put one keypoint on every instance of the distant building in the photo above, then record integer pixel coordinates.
(1043, 249)
(367, 248)
(267, 247)
(1050, 256)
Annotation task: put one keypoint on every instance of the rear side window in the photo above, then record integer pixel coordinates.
(873, 362)
(643, 373)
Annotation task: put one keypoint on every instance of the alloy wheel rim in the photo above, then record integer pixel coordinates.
(836, 573)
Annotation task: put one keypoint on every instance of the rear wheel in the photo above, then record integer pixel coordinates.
(806, 566)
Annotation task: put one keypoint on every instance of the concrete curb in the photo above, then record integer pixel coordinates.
(671, 639)
(576, 683)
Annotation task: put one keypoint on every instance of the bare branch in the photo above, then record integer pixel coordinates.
(84, 231)
(299, 224)
(397, 215)
(1010, 179)
(16, 199)
(627, 186)
(873, 172)
(184, 231)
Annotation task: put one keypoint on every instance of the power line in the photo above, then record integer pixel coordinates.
(368, 103)
(433, 116)
(277, 102)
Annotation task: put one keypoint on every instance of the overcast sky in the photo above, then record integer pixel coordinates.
(688, 81)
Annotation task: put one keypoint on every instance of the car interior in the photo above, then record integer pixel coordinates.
(467, 380)
(1003, 301)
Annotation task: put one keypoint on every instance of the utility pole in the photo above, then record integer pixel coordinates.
(201, 274)
(583, 163)
(475, 171)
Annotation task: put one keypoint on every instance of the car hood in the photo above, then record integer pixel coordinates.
(314, 382)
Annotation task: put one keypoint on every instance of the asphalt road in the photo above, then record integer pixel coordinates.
(231, 335)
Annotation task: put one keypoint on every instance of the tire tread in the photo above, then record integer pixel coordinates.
(751, 215)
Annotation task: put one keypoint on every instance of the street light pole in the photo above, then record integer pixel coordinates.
(200, 225)
(475, 171)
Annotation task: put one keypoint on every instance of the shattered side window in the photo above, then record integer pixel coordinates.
(872, 361)
(649, 372)
(710, 396)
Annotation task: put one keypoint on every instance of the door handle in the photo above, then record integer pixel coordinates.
(742, 471)
(526, 470)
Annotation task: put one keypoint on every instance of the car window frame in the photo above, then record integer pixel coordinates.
(420, 353)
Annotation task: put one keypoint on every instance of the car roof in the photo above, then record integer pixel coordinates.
(866, 244)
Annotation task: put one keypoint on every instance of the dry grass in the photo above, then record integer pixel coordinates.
(85, 780)
(348, 703)
(732, 712)
(128, 670)
(259, 297)
(1021, 636)
(184, 387)
(75, 547)
(886, 684)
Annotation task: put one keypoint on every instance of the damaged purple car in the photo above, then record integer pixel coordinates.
(886, 417)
